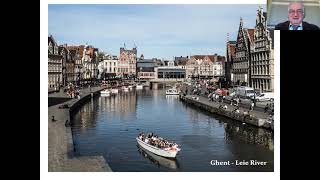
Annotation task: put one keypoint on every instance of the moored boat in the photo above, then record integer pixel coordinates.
(139, 86)
(124, 88)
(105, 92)
(114, 91)
(172, 91)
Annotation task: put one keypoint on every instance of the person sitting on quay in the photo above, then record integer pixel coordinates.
(225, 107)
(209, 96)
(236, 110)
(246, 113)
(216, 97)
(271, 118)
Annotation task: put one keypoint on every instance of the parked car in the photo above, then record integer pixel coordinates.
(245, 92)
(264, 97)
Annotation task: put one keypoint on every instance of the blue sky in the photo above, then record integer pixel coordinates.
(161, 31)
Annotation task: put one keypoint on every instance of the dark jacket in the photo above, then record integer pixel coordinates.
(305, 26)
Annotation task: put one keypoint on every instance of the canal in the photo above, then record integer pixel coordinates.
(108, 126)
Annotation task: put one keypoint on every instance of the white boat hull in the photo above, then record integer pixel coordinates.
(166, 162)
(172, 92)
(125, 89)
(157, 151)
(105, 92)
(139, 87)
(114, 91)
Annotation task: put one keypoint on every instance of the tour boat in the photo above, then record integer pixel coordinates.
(172, 91)
(165, 152)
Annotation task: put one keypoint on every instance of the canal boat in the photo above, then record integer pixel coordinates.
(164, 152)
(139, 86)
(172, 91)
(114, 91)
(125, 89)
(105, 92)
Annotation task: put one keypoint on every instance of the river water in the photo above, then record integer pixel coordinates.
(108, 126)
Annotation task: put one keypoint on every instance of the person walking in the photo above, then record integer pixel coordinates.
(252, 106)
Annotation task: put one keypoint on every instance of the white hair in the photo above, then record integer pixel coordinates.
(301, 3)
(297, 2)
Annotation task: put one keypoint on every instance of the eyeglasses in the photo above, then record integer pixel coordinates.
(299, 11)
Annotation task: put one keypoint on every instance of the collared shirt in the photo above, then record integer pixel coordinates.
(299, 27)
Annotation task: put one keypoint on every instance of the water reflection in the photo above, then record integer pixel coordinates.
(123, 102)
(249, 135)
(172, 97)
(108, 126)
(158, 160)
(87, 115)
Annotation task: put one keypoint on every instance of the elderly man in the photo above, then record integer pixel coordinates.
(296, 14)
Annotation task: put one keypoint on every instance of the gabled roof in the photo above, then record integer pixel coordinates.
(181, 62)
(232, 48)
(198, 56)
(221, 59)
(51, 39)
(60, 48)
(250, 33)
(73, 47)
(211, 57)
(73, 53)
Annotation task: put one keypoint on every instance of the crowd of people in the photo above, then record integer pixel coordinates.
(157, 141)
(227, 98)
